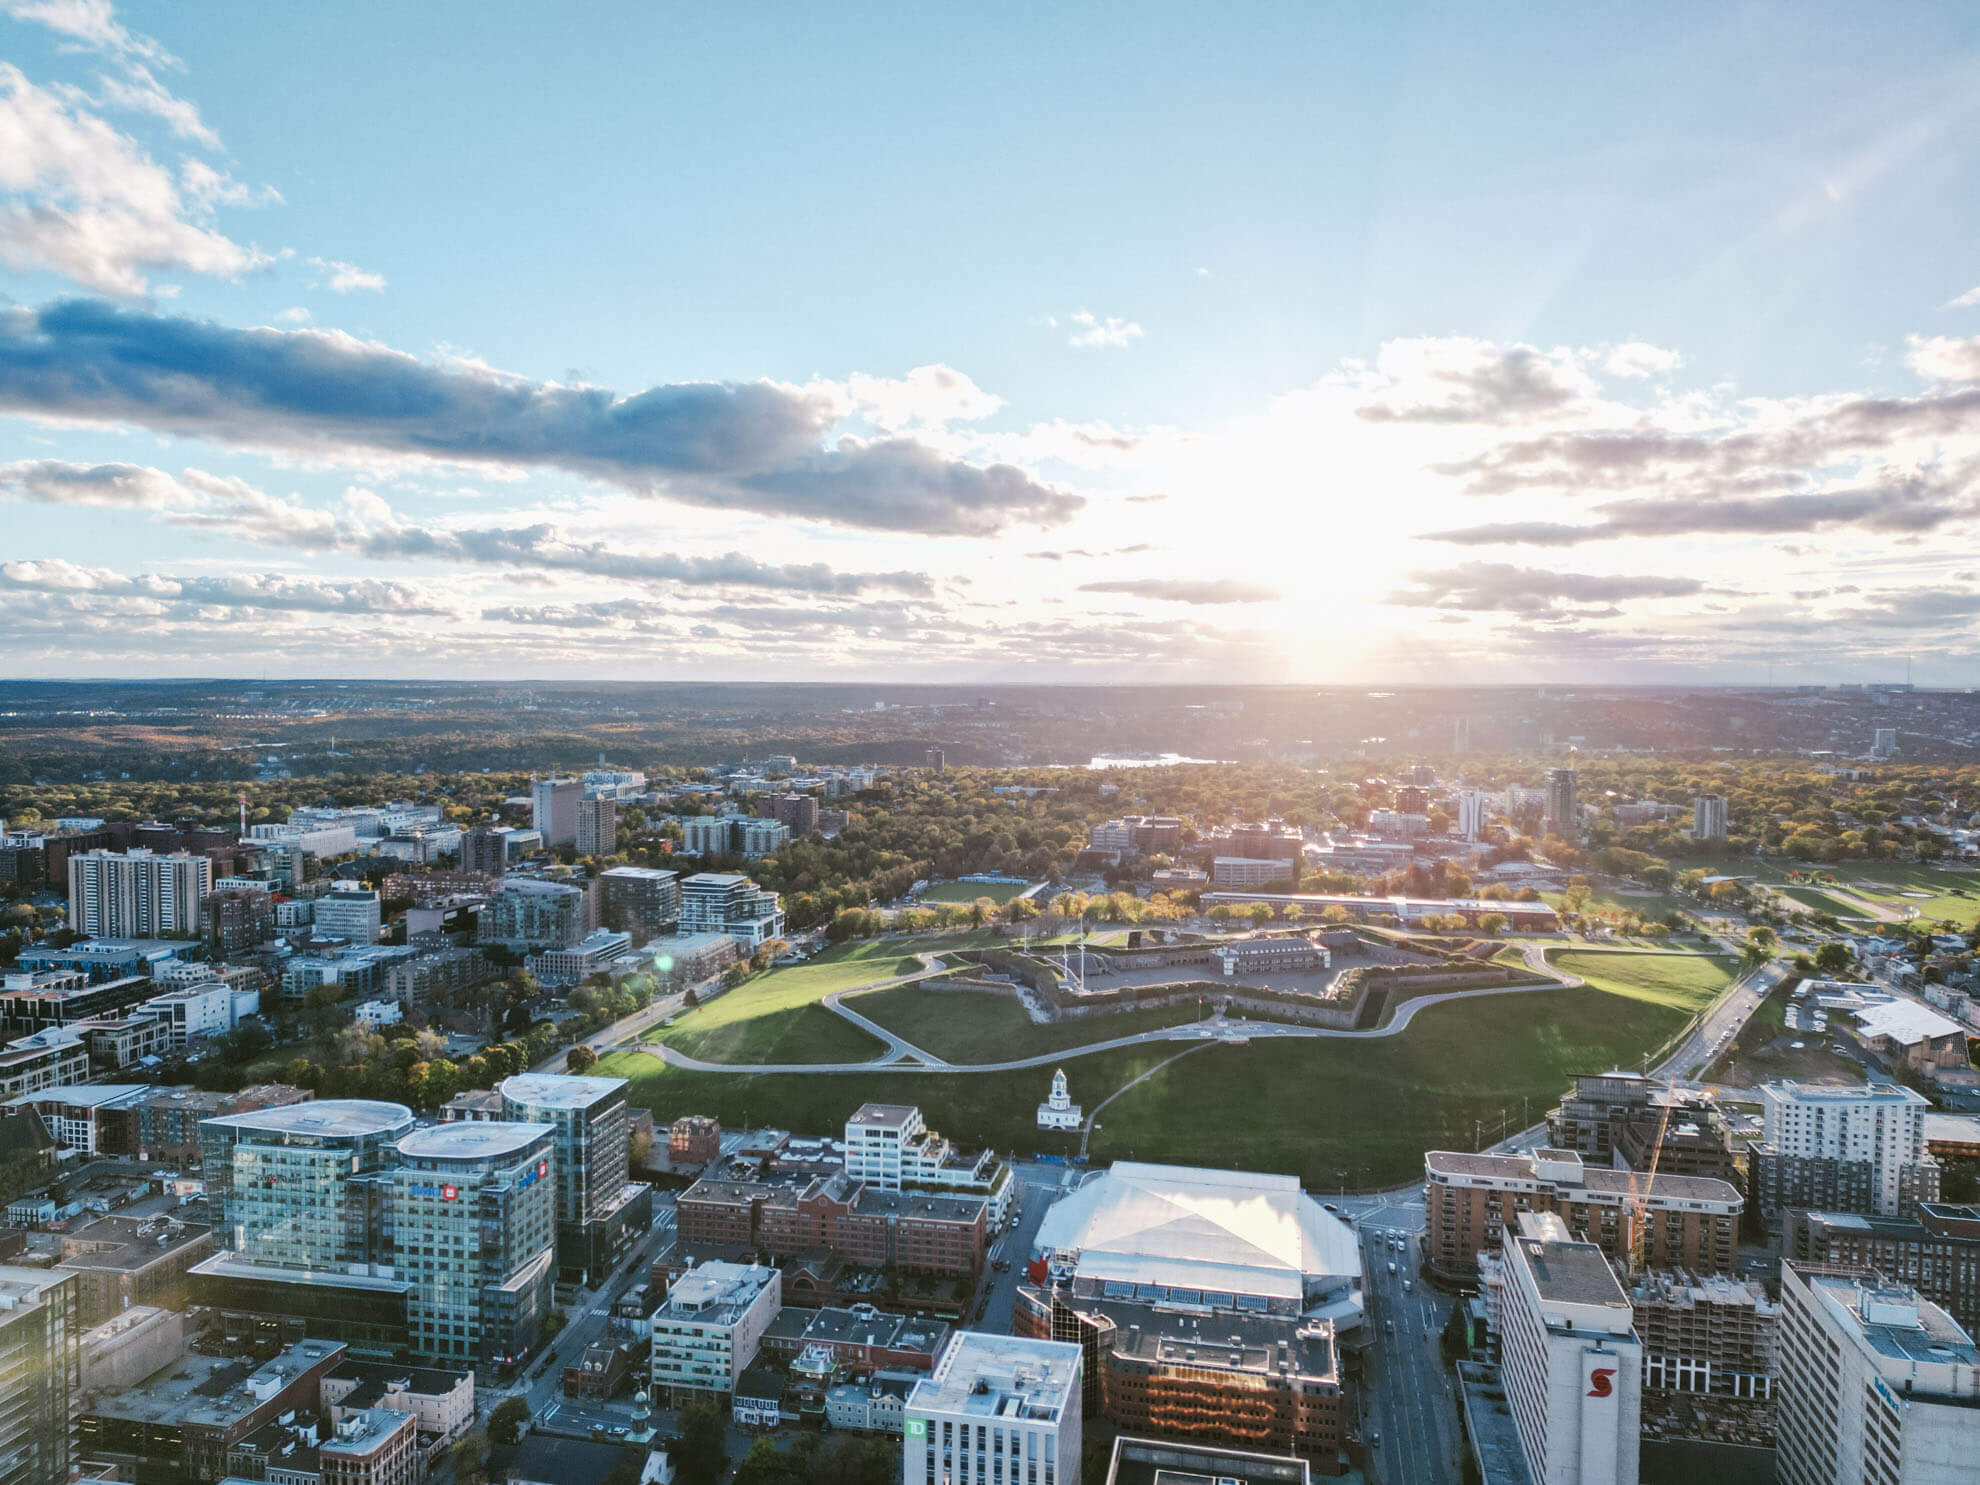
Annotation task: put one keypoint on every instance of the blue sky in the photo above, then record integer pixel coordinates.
(1557, 343)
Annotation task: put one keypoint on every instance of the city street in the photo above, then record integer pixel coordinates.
(586, 1320)
(1409, 1398)
(1041, 1186)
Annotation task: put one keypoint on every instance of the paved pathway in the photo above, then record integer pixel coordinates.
(1225, 1028)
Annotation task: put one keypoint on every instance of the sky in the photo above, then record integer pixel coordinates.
(1319, 343)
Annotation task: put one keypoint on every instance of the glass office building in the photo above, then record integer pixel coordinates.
(290, 1184)
(473, 1214)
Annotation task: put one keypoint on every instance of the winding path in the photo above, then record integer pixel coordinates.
(903, 1056)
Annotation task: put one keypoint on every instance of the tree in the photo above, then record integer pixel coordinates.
(579, 1061)
(1760, 942)
(471, 1459)
(507, 1422)
(763, 1465)
(1492, 923)
(698, 1448)
(1833, 958)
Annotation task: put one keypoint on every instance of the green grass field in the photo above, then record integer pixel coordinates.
(959, 1026)
(998, 892)
(776, 1017)
(1309, 1107)
(1684, 982)
(1821, 902)
(1653, 906)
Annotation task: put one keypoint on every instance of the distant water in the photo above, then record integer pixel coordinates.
(1156, 760)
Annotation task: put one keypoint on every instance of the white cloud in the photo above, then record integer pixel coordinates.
(140, 91)
(92, 24)
(1637, 359)
(1969, 300)
(928, 396)
(1091, 332)
(347, 278)
(81, 199)
(295, 314)
(1944, 358)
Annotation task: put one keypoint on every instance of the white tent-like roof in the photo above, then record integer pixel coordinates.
(1182, 1227)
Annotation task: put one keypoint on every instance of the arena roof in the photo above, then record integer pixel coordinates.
(1182, 1227)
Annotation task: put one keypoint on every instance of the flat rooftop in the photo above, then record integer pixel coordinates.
(471, 1139)
(1175, 1462)
(329, 1117)
(885, 1115)
(1598, 1179)
(1572, 1274)
(560, 1090)
(213, 1391)
(1001, 1376)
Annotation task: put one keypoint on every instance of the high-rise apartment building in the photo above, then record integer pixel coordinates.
(644, 901)
(996, 1408)
(796, 812)
(236, 919)
(474, 1233)
(40, 1374)
(526, 913)
(554, 810)
(1710, 817)
(137, 893)
(1876, 1385)
(1814, 1136)
(937, 759)
(1561, 817)
(728, 902)
(348, 911)
(1938, 1252)
(1471, 814)
(597, 827)
(1569, 1358)
(1885, 743)
(485, 849)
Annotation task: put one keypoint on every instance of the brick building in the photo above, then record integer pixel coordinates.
(694, 1140)
(1258, 1381)
(1472, 1201)
(921, 1232)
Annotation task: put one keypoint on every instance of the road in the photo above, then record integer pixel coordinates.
(1040, 1186)
(587, 1318)
(1409, 1398)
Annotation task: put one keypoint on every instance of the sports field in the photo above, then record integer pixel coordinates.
(998, 892)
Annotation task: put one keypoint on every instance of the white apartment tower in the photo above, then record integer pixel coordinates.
(1709, 817)
(1885, 743)
(997, 1410)
(1881, 1125)
(1471, 813)
(1876, 1385)
(554, 810)
(137, 893)
(1570, 1360)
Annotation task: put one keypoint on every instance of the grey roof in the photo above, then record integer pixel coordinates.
(324, 1116)
(560, 1090)
(1572, 1273)
(471, 1139)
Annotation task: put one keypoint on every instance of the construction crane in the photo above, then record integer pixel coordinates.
(1639, 1185)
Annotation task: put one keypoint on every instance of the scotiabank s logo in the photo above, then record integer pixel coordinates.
(1599, 1384)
